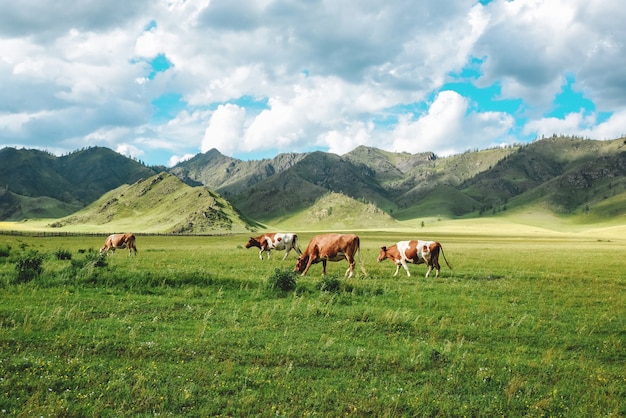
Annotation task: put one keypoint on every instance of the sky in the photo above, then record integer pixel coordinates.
(163, 80)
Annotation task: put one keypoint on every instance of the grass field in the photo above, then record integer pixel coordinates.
(527, 324)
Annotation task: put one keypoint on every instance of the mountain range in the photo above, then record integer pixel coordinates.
(568, 176)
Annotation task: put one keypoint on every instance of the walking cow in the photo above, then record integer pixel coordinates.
(416, 252)
(119, 241)
(331, 247)
(274, 241)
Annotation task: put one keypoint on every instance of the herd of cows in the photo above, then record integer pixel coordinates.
(323, 248)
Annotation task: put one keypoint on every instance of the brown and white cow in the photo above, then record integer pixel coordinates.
(274, 241)
(331, 247)
(119, 241)
(416, 252)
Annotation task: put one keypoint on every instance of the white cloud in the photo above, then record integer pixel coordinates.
(448, 128)
(334, 75)
(129, 150)
(225, 129)
(175, 159)
(579, 124)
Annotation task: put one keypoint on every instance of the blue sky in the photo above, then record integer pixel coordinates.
(163, 80)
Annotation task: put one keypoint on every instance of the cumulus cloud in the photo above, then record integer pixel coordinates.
(175, 159)
(449, 127)
(254, 76)
(129, 150)
(225, 129)
(580, 124)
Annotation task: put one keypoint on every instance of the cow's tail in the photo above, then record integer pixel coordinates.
(295, 244)
(444, 258)
(358, 251)
(132, 244)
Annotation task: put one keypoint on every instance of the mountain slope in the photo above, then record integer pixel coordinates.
(161, 203)
(596, 185)
(571, 176)
(298, 187)
(562, 173)
(69, 182)
(335, 211)
(229, 175)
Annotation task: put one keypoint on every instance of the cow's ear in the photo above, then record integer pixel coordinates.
(383, 248)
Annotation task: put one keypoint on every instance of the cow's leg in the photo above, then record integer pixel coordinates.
(308, 265)
(406, 268)
(324, 267)
(433, 263)
(351, 262)
(397, 269)
(261, 254)
(286, 253)
(350, 270)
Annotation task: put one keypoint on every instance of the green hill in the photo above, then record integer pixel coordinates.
(335, 211)
(583, 180)
(67, 183)
(564, 175)
(161, 203)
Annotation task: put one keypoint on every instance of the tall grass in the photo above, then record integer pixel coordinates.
(531, 327)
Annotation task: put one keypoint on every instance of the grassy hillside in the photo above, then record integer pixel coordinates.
(62, 184)
(161, 203)
(17, 207)
(570, 177)
(299, 187)
(335, 211)
(572, 181)
(230, 176)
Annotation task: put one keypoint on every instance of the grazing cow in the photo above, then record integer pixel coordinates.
(274, 241)
(416, 252)
(330, 247)
(114, 241)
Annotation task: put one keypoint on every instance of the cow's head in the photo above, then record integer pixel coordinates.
(252, 242)
(383, 254)
(301, 263)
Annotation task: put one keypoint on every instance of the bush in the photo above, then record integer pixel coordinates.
(329, 284)
(5, 251)
(63, 255)
(29, 266)
(92, 259)
(284, 280)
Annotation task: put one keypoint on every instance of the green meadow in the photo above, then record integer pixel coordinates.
(528, 323)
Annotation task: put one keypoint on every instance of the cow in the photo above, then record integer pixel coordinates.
(416, 252)
(330, 247)
(274, 241)
(118, 241)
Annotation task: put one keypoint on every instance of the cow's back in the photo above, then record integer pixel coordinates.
(334, 242)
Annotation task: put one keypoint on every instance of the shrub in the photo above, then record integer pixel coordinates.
(329, 284)
(63, 254)
(29, 266)
(284, 280)
(92, 259)
(5, 251)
